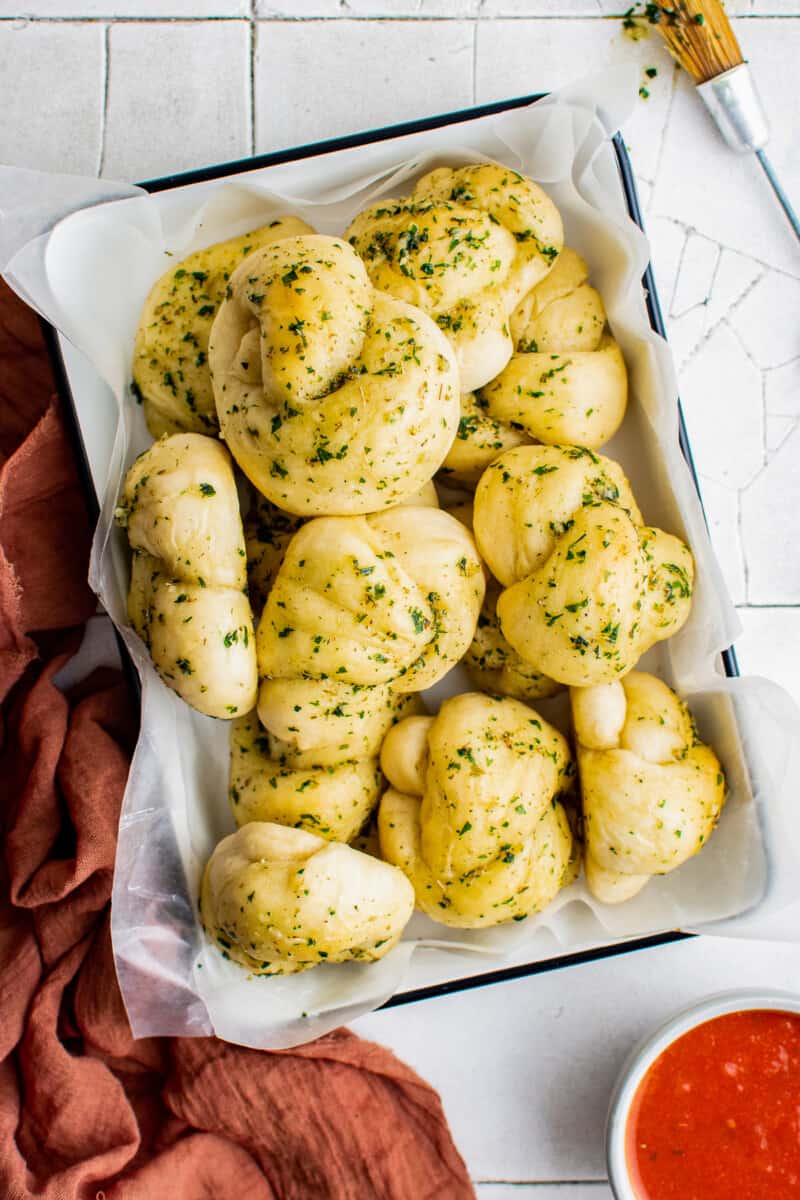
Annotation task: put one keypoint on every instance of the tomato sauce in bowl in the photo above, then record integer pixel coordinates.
(709, 1107)
(717, 1116)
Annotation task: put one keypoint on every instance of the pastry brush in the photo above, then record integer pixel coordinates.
(698, 34)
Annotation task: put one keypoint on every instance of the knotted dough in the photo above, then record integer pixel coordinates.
(565, 384)
(465, 246)
(281, 900)
(473, 815)
(652, 791)
(491, 663)
(333, 398)
(188, 591)
(330, 788)
(389, 599)
(588, 586)
(313, 762)
(170, 358)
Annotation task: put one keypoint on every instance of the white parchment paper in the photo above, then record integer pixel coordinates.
(85, 254)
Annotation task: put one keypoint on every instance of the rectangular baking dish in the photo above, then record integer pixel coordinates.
(429, 973)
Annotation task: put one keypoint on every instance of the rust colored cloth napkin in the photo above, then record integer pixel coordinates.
(86, 1112)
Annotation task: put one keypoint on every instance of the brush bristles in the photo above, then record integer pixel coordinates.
(699, 35)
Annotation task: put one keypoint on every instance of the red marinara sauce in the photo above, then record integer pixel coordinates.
(717, 1116)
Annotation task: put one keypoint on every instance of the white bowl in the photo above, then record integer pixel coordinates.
(647, 1051)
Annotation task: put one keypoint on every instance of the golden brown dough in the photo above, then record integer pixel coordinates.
(566, 383)
(563, 312)
(332, 786)
(267, 533)
(473, 816)
(466, 246)
(333, 398)
(313, 760)
(281, 900)
(494, 665)
(588, 587)
(491, 663)
(479, 439)
(170, 358)
(390, 599)
(188, 592)
(652, 791)
(562, 398)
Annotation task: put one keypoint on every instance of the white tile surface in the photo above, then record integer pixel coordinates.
(543, 1191)
(644, 190)
(540, 8)
(376, 73)
(776, 431)
(667, 239)
(721, 389)
(770, 645)
(411, 8)
(726, 197)
(685, 335)
(298, 8)
(704, 284)
(769, 8)
(345, 9)
(52, 128)
(722, 513)
(769, 528)
(178, 97)
(763, 320)
(526, 1068)
(782, 389)
(696, 278)
(733, 278)
(80, 9)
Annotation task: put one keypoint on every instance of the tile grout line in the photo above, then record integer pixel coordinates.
(743, 345)
(714, 273)
(765, 454)
(740, 299)
(252, 79)
(527, 1183)
(111, 18)
(665, 126)
(671, 298)
(710, 330)
(742, 546)
(788, 604)
(688, 228)
(740, 549)
(105, 90)
(290, 19)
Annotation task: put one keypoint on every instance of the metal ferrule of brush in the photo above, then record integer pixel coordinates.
(733, 102)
